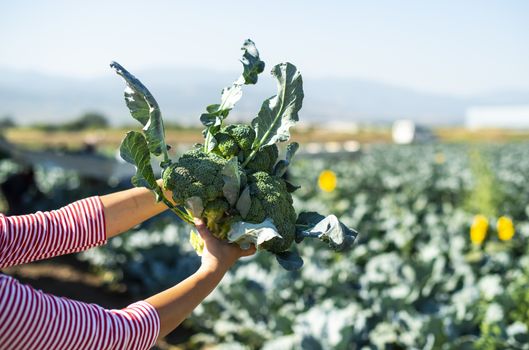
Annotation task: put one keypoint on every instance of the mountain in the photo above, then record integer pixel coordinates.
(184, 93)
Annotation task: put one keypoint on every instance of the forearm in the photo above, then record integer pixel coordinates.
(126, 209)
(175, 304)
(32, 319)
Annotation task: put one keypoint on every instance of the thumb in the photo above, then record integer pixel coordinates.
(202, 229)
(249, 251)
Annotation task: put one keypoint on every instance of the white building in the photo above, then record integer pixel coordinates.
(505, 117)
(405, 132)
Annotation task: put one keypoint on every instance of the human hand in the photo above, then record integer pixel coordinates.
(218, 256)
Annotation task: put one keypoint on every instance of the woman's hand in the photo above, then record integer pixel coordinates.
(218, 256)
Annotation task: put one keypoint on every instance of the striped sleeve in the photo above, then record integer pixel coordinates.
(73, 228)
(32, 319)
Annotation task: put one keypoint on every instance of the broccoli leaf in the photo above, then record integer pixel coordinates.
(144, 108)
(232, 181)
(244, 202)
(217, 112)
(245, 233)
(195, 206)
(230, 95)
(281, 167)
(280, 112)
(251, 62)
(328, 229)
(134, 150)
(291, 187)
(290, 260)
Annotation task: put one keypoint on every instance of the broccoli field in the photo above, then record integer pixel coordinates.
(441, 261)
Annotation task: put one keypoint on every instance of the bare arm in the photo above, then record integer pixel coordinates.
(175, 304)
(126, 209)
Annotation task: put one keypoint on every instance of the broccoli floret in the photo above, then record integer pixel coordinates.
(195, 174)
(243, 134)
(234, 138)
(226, 147)
(270, 199)
(264, 160)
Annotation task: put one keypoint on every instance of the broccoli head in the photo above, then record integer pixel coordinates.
(226, 147)
(196, 173)
(270, 199)
(243, 134)
(234, 138)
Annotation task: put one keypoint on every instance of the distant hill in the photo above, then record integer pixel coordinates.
(184, 93)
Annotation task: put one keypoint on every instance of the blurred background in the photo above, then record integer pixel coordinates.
(414, 130)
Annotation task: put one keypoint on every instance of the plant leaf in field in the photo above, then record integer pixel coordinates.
(281, 167)
(280, 112)
(232, 181)
(290, 260)
(251, 62)
(328, 229)
(134, 150)
(244, 233)
(244, 202)
(144, 108)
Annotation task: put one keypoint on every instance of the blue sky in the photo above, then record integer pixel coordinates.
(454, 47)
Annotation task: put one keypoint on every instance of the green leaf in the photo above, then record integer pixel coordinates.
(328, 229)
(251, 62)
(245, 233)
(279, 112)
(290, 260)
(217, 112)
(232, 181)
(208, 119)
(291, 187)
(230, 95)
(134, 150)
(144, 108)
(281, 167)
(308, 219)
(244, 202)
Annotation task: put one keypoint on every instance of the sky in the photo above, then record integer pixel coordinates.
(454, 47)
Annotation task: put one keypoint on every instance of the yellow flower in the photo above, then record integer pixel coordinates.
(439, 158)
(327, 181)
(505, 228)
(478, 230)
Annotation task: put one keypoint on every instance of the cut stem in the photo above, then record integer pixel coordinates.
(182, 215)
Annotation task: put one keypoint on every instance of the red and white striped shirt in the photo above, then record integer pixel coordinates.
(31, 319)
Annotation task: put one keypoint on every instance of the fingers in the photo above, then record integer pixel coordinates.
(203, 230)
(249, 251)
